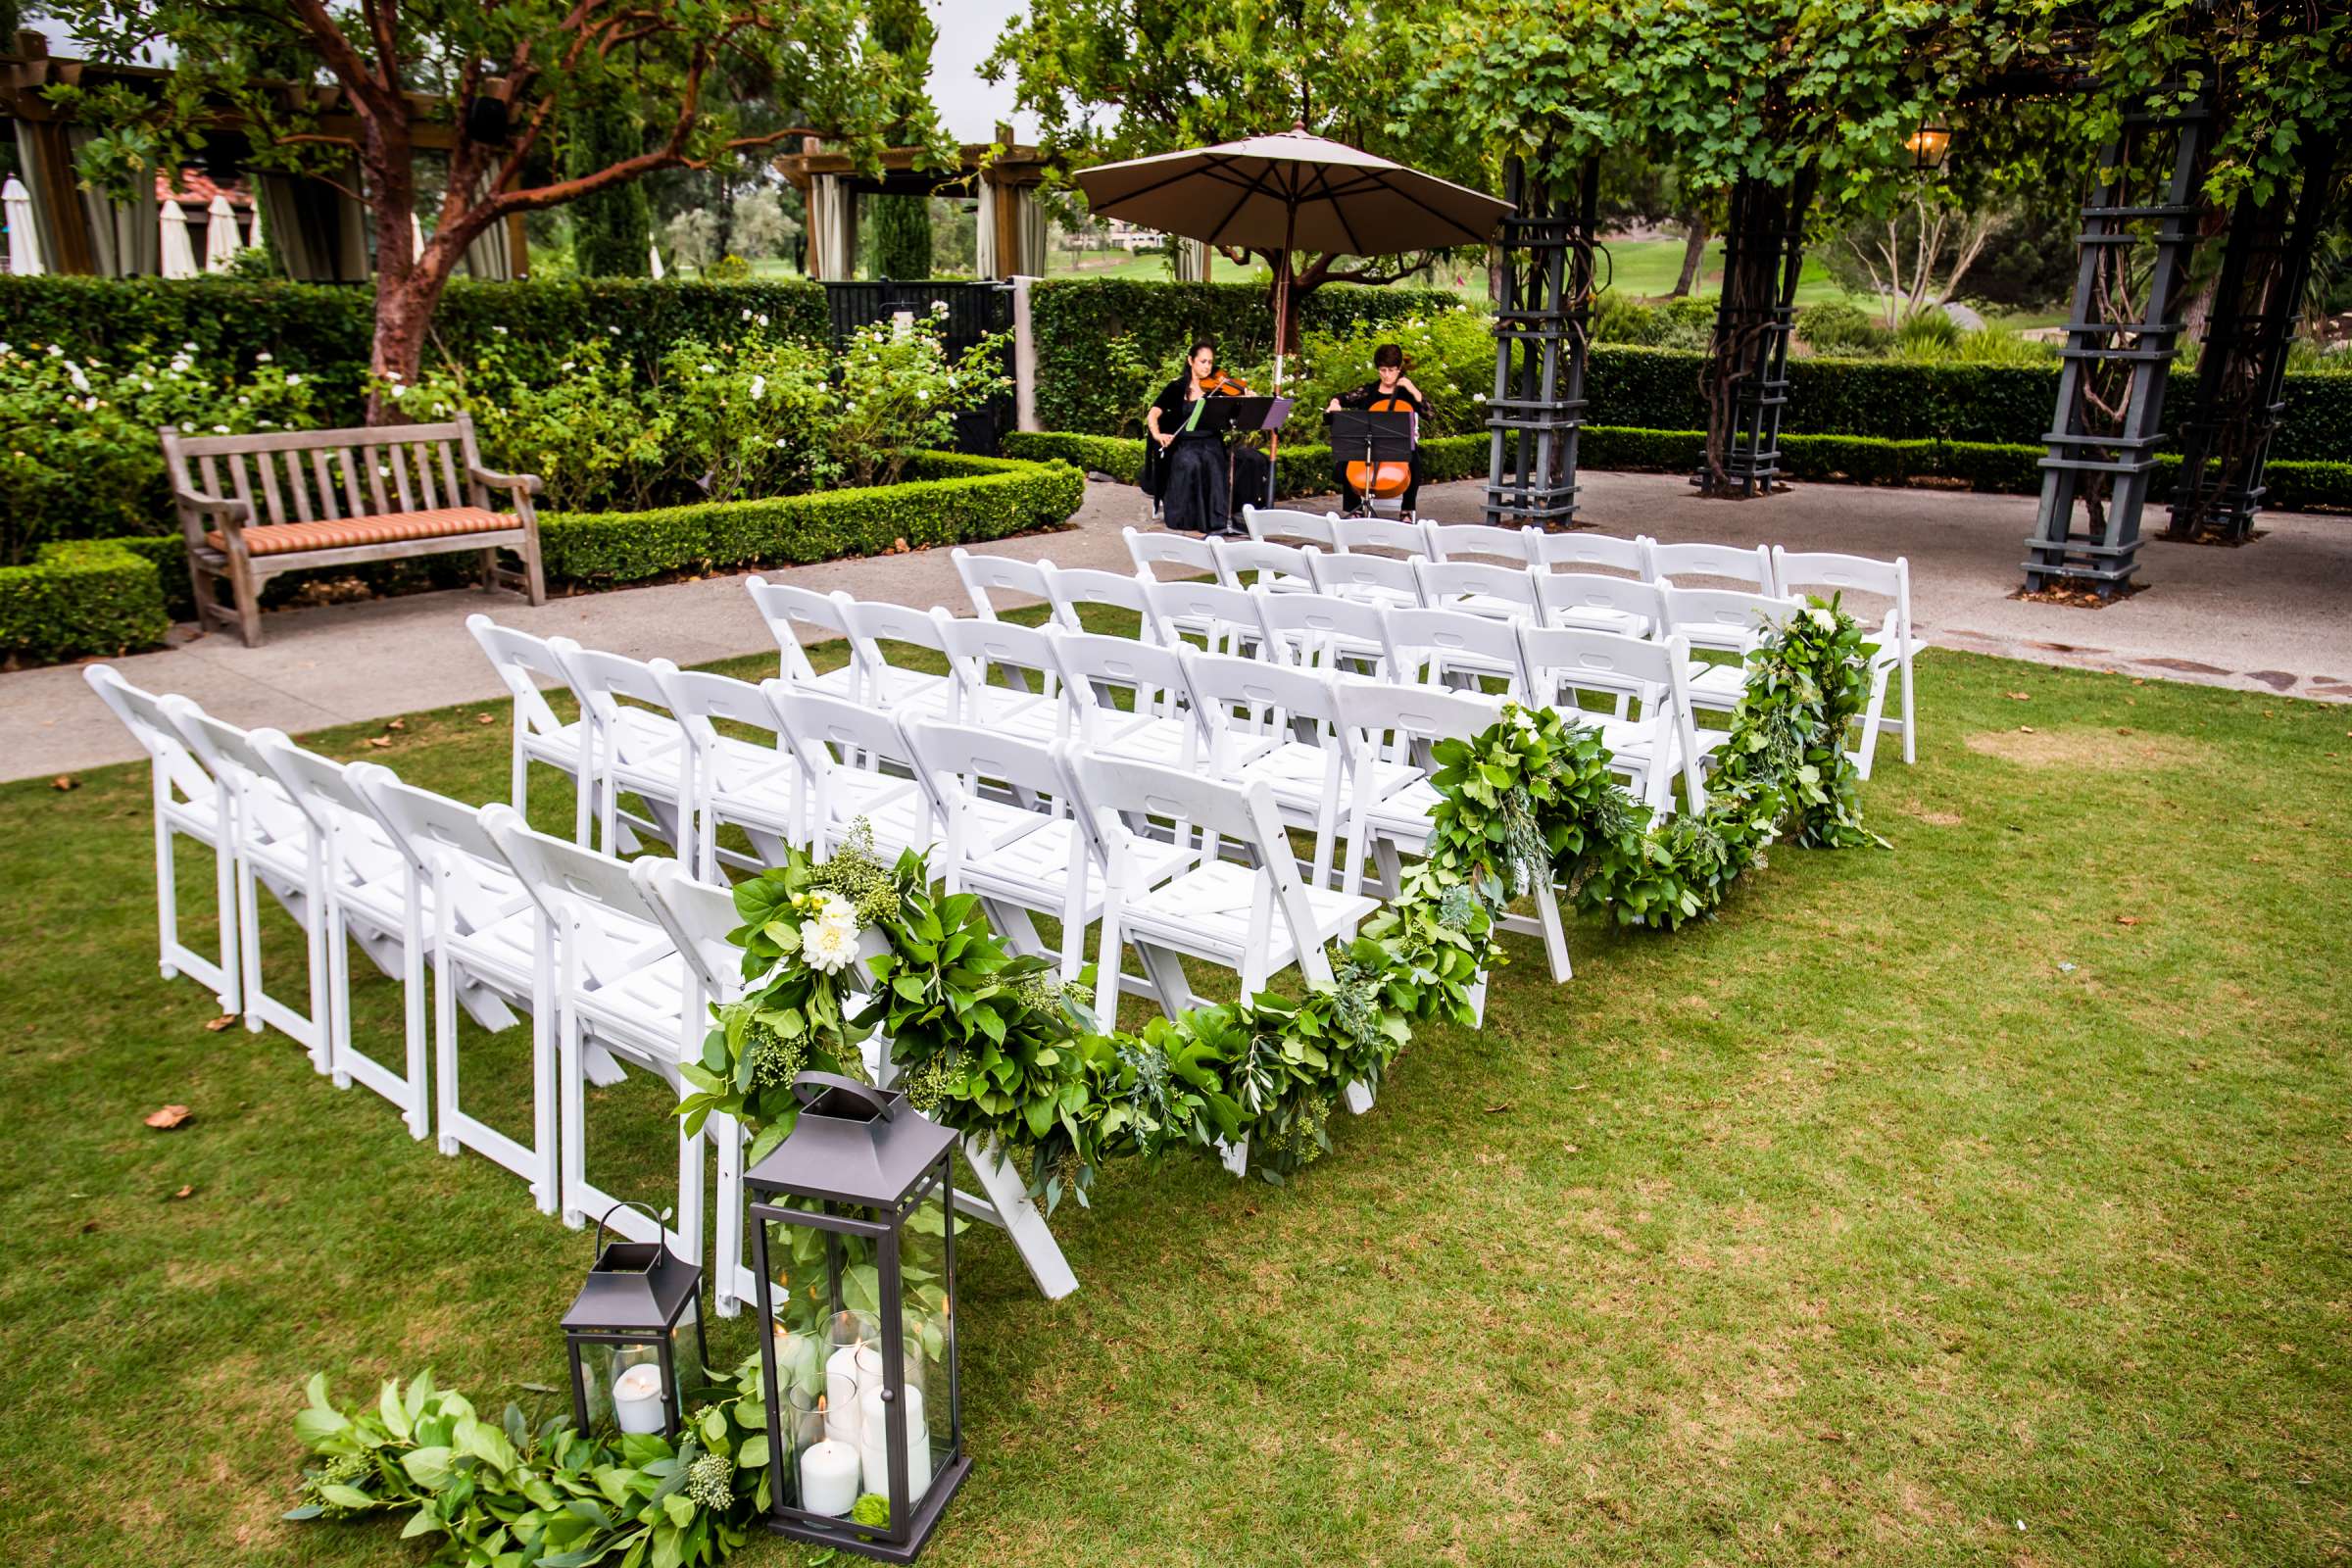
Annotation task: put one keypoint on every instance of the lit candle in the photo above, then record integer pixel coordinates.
(849, 1372)
(873, 1446)
(829, 1475)
(637, 1398)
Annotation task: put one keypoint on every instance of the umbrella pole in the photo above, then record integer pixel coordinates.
(1282, 315)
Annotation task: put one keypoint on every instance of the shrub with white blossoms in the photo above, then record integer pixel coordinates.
(900, 393)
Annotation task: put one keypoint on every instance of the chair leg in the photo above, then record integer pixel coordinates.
(490, 571)
(445, 1045)
(418, 1112)
(225, 899)
(248, 596)
(1910, 726)
(534, 577)
(337, 1015)
(571, 1118)
(249, 946)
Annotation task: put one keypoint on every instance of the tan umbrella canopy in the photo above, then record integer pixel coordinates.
(1291, 192)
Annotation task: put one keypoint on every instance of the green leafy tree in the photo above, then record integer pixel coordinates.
(612, 228)
(902, 224)
(505, 84)
(1110, 79)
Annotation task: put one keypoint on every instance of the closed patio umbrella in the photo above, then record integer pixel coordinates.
(178, 257)
(652, 256)
(221, 241)
(23, 245)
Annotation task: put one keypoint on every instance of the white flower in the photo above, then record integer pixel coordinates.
(1823, 618)
(939, 307)
(782, 443)
(293, 380)
(830, 941)
(921, 396)
(1477, 397)
(747, 312)
(190, 347)
(262, 358)
(761, 318)
(500, 331)
(74, 373)
(615, 330)
(758, 387)
(90, 405)
(709, 369)
(8, 348)
(54, 351)
(219, 429)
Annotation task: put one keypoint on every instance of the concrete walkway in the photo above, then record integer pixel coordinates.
(2272, 617)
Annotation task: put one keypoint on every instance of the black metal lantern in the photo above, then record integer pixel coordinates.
(1929, 145)
(624, 1334)
(853, 1236)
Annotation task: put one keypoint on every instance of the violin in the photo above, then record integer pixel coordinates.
(1384, 478)
(1221, 385)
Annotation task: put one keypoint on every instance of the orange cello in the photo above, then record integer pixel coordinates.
(1386, 479)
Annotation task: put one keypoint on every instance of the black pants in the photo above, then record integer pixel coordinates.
(1412, 485)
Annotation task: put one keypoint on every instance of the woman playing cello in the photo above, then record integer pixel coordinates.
(1392, 392)
(1189, 462)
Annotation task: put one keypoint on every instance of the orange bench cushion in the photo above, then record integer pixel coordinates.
(282, 538)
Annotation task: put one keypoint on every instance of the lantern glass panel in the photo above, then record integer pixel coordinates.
(927, 1316)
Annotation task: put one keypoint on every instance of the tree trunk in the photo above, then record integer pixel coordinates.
(1694, 253)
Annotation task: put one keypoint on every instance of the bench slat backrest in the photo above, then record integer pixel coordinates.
(428, 466)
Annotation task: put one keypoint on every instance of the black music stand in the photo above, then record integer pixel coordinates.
(1247, 414)
(1382, 438)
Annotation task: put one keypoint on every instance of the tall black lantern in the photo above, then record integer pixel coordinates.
(1929, 145)
(853, 1236)
(624, 1334)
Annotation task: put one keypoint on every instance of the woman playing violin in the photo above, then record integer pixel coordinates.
(1393, 391)
(1194, 488)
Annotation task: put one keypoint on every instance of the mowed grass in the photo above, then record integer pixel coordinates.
(1981, 1201)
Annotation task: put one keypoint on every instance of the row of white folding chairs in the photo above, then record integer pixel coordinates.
(609, 958)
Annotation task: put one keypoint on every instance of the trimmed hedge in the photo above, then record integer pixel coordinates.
(945, 499)
(1989, 466)
(323, 329)
(80, 597)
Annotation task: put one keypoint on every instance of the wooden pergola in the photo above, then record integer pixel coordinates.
(1002, 175)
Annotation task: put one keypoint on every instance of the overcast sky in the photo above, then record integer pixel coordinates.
(967, 32)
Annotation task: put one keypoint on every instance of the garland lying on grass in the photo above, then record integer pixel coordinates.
(993, 1045)
(990, 1044)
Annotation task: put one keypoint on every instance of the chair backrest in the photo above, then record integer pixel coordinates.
(320, 786)
(1505, 592)
(1224, 619)
(1572, 659)
(1561, 593)
(696, 916)
(1721, 617)
(441, 840)
(1316, 630)
(1368, 708)
(1276, 700)
(703, 699)
(605, 683)
(325, 475)
(1729, 562)
(786, 610)
(141, 713)
(1794, 572)
(565, 879)
(1374, 579)
(983, 575)
(1189, 552)
(1278, 525)
(225, 749)
(518, 656)
(1068, 588)
(1432, 645)
(1095, 667)
(1454, 541)
(1355, 534)
(976, 647)
(968, 751)
(1243, 563)
(873, 624)
(1575, 551)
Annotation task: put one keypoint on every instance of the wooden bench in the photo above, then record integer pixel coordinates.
(255, 506)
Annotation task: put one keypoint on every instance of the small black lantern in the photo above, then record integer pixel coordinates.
(854, 1240)
(1929, 145)
(624, 1333)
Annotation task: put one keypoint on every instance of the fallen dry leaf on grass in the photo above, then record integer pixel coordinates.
(2019, 697)
(379, 740)
(2025, 729)
(484, 718)
(184, 1192)
(396, 723)
(65, 781)
(169, 1117)
(2127, 919)
(216, 1025)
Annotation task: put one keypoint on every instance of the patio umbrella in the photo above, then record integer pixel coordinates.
(253, 235)
(23, 247)
(178, 256)
(220, 240)
(1289, 192)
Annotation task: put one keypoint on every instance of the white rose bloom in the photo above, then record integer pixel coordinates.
(74, 373)
(758, 387)
(1823, 618)
(761, 318)
(262, 358)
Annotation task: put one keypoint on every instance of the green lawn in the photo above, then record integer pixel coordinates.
(1982, 1201)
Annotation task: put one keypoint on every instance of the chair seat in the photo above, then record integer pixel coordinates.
(908, 693)
(346, 533)
(1493, 606)
(1206, 911)
(1368, 593)
(1022, 716)
(1171, 742)
(1717, 685)
(739, 766)
(1602, 617)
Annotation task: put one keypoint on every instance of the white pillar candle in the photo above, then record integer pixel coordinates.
(829, 1478)
(873, 1447)
(637, 1398)
(849, 1372)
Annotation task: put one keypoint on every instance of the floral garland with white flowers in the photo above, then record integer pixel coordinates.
(991, 1044)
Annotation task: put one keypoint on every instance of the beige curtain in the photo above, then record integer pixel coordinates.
(124, 238)
(832, 228)
(1029, 231)
(319, 233)
(985, 261)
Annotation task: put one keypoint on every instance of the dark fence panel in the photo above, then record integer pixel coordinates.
(974, 312)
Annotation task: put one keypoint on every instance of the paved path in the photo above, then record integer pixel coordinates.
(2272, 617)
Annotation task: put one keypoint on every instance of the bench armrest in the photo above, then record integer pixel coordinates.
(227, 508)
(527, 483)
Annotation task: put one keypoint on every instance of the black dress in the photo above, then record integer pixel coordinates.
(1361, 398)
(1188, 477)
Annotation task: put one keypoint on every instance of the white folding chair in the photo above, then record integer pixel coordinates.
(787, 610)
(1359, 535)
(1622, 604)
(752, 785)
(1325, 632)
(1022, 860)
(875, 627)
(1892, 645)
(1188, 553)
(1385, 582)
(1255, 920)
(274, 849)
(1726, 563)
(831, 737)
(1070, 589)
(1289, 525)
(1655, 744)
(636, 747)
(187, 800)
(1478, 588)
(1724, 621)
(373, 897)
(985, 575)
(1469, 653)
(1028, 704)
(1575, 551)
(522, 660)
(618, 982)
(1157, 723)
(1205, 615)
(1272, 568)
(487, 937)
(1467, 541)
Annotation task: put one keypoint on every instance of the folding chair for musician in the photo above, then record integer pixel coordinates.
(188, 801)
